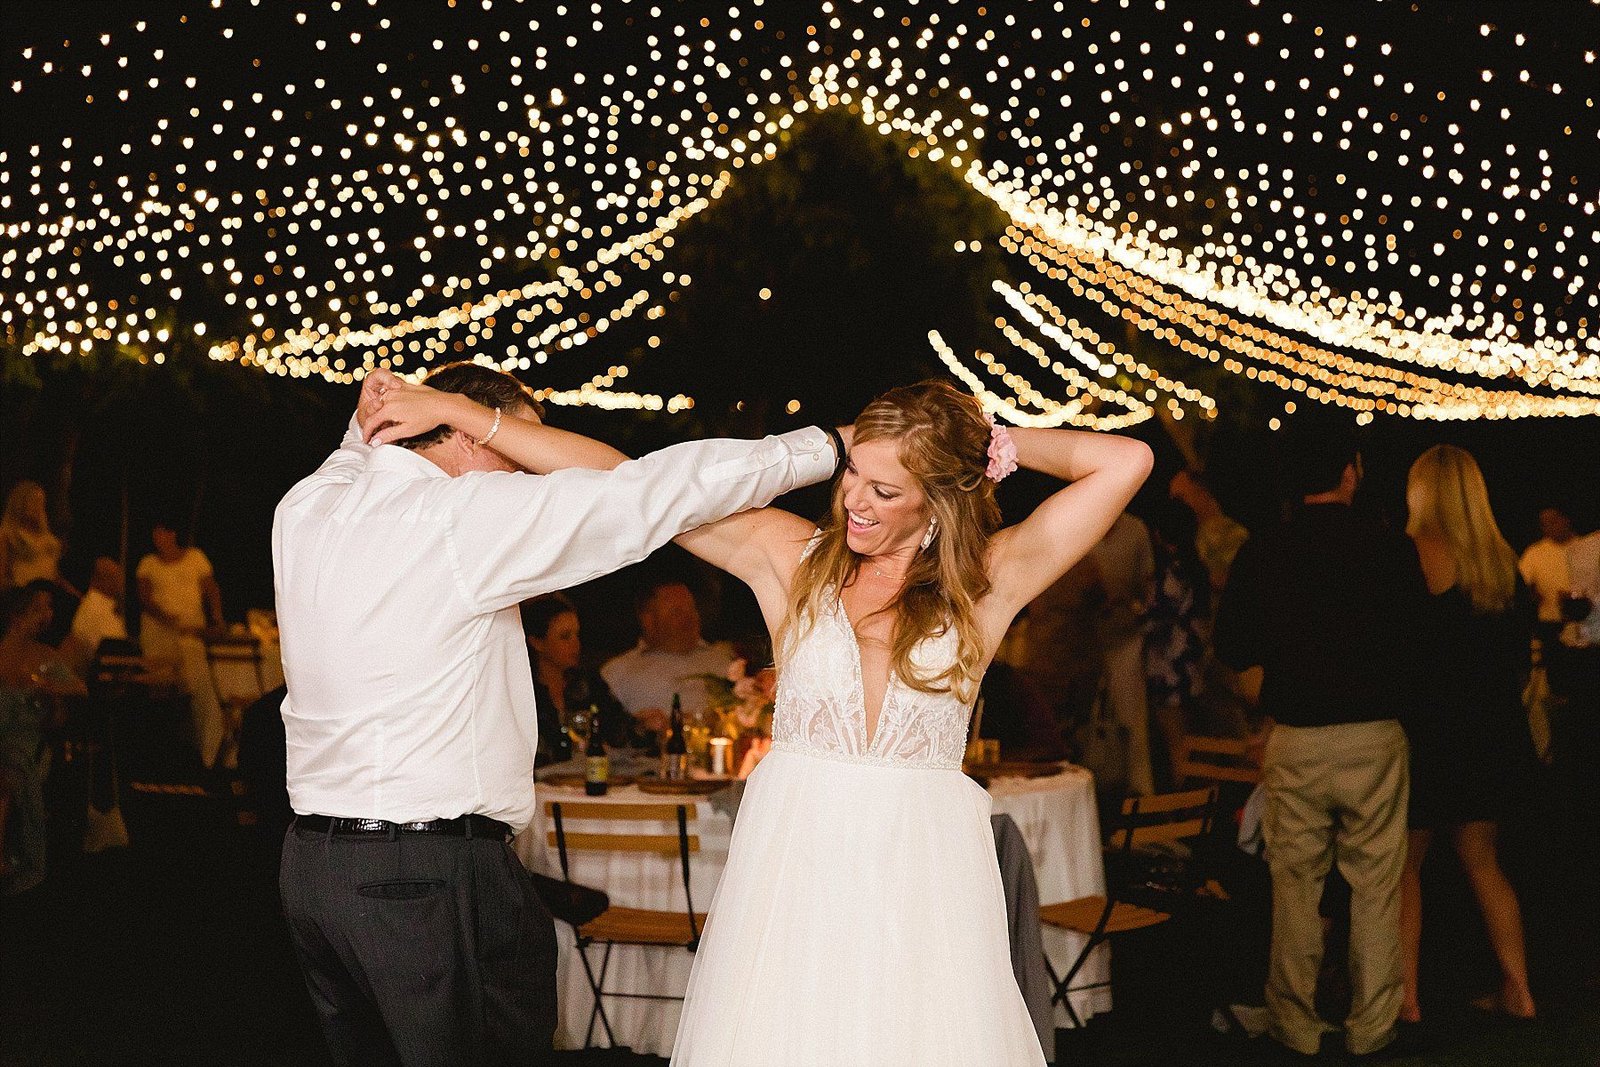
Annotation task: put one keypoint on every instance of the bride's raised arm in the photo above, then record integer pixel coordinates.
(1104, 470)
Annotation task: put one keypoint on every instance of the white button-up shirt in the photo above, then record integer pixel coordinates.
(397, 586)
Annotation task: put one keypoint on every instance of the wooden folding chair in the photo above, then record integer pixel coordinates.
(628, 926)
(1216, 759)
(1164, 819)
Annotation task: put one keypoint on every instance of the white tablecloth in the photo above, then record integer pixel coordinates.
(1059, 821)
(1056, 815)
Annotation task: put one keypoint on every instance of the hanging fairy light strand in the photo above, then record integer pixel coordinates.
(537, 136)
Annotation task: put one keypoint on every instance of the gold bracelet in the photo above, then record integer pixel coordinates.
(493, 429)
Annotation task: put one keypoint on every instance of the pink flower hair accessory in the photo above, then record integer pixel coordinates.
(1002, 451)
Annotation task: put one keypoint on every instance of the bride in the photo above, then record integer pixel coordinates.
(860, 918)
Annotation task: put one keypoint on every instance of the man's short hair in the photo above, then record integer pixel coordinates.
(1317, 448)
(489, 387)
(651, 586)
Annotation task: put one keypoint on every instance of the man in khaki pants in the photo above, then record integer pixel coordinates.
(1321, 606)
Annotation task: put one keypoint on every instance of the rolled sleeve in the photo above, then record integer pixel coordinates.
(517, 535)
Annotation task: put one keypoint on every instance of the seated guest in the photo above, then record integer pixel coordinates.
(99, 615)
(669, 655)
(32, 678)
(180, 599)
(563, 692)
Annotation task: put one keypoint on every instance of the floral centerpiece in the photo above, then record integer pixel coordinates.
(740, 703)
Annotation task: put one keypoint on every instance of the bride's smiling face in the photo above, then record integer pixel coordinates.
(885, 507)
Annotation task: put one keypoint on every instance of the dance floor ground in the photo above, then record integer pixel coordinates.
(173, 953)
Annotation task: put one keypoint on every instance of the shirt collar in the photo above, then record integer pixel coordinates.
(404, 461)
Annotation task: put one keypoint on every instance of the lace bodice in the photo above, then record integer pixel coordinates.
(821, 706)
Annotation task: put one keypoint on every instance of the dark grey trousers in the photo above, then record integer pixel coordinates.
(421, 950)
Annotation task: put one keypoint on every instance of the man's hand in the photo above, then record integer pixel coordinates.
(373, 388)
(397, 409)
(653, 719)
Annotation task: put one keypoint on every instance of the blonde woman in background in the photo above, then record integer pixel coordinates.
(1469, 740)
(28, 550)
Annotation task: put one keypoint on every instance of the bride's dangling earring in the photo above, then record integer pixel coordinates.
(927, 538)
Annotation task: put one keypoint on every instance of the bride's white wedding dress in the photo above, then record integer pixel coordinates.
(860, 919)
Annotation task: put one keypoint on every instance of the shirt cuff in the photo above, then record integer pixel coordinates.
(812, 451)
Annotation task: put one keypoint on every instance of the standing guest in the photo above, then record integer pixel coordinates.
(1127, 572)
(180, 598)
(1470, 745)
(100, 615)
(30, 552)
(1544, 567)
(1578, 740)
(1060, 656)
(33, 677)
(1317, 610)
(410, 748)
(669, 655)
(1174, 645)
(1217, 538)
(564, 691)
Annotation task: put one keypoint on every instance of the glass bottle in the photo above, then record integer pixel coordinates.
(675, 752)
(596, 764)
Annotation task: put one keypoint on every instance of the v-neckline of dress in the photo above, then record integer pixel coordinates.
(870, 729)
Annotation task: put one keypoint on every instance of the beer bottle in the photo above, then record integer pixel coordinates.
(675, 752)
(596, 764)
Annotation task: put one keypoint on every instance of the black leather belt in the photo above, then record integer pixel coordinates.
(465, 826)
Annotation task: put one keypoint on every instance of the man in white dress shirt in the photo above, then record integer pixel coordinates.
(670, 653)
(99, 616)
(410, 747)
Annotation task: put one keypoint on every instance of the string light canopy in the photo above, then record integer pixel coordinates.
(1316, 203)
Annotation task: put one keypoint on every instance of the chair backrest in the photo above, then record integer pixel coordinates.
(1216, 759)
(1164, 818)
(597, 839)
(608, 840)
(242, 649)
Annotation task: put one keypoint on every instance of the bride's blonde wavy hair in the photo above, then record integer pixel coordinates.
(942, 440)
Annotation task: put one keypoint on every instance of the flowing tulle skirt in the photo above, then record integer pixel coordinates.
(860, 920)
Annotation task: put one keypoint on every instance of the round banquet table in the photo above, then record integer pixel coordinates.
(1056, 815)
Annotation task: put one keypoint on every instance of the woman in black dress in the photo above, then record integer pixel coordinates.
(1470, 746)
(562, 690)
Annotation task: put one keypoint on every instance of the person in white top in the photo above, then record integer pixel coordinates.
(409, 739)
(180, 599)
(670, 653)
(1544, 566)
(99, 616)
(1583, 582)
